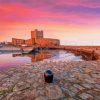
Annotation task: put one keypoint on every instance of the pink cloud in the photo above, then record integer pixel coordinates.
(85, 3)
(19, 12)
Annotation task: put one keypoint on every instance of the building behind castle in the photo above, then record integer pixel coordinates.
(36, 39)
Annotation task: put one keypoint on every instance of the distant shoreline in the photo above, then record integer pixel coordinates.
(87, 52)
(8, 51)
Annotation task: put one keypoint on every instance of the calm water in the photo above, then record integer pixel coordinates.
(17, 59)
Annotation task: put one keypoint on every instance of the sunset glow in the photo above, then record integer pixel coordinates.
(74, 22)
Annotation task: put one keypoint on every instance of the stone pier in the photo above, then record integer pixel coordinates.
(72, 81)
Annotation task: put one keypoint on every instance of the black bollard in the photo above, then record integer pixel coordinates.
(48, 75)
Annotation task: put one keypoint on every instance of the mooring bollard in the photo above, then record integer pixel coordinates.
(48, 75)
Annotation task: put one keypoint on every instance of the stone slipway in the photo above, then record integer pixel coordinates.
(72, 81)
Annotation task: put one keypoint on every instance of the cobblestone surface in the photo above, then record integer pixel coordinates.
(72, 81)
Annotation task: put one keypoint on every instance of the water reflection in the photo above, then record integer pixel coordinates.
(18, 59)
(37, 56)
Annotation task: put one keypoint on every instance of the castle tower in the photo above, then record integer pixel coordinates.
(36, 34)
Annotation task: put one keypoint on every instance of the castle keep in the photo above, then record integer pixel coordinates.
(36, 39)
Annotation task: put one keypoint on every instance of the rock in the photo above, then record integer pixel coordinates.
(96, 75)
(68, 92)
(41, 98)
(75, 90)
(88, 86)
(88, 71)
(97, 86)
(85, 96)
(54, 92)
(97, 97)
(79, 87)
(70, 99)
(21, 86)
(90, 81)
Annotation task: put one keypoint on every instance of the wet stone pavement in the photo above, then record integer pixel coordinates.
(72, 81)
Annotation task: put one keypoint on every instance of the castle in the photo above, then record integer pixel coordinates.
(36, 39)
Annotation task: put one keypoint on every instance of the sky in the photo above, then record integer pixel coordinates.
(74, 22)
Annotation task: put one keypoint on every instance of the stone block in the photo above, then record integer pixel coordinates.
(54, 92)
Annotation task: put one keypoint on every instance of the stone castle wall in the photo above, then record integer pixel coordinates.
(36, 39)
